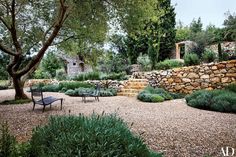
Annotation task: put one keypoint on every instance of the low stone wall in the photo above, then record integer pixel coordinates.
(118, 85)
(33, 82)
(187, 79)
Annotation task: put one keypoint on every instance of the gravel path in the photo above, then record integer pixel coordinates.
(170, 127)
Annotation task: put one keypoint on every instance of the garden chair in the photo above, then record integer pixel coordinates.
(95, 94)
(38, 98)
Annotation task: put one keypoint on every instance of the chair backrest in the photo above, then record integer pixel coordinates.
(36, 93)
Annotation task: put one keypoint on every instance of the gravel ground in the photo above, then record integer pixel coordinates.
(170, 127)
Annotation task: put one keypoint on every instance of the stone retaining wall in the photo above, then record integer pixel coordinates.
(187, 79)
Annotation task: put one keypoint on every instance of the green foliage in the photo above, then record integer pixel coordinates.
(2, 87)
(17, 101)
(145, 62)
(150, 94)
(169, 64)
(87, 76)
(9, 146)
(4, 59)
(51, 63)
(191, 59)
(61, 74)
(231, 87)
(7, 142)
(40, 74)
(230, 25)
(114, 76)
(196, 26)
(114, 63)
(64, 86)
(209, 56)
(87, 136)
(81, 91)
(216, 100)
(177, 95)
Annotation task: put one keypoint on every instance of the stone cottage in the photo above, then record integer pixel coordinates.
(75, 64)
(182, 47)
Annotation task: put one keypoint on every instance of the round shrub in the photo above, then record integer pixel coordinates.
(87, 136)
(209, 56)
(150, 94)
(157, 98)
(191, 59)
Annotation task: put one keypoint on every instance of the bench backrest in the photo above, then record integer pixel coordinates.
(98, 88)
(36, 93)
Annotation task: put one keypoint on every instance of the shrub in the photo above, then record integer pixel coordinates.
(87, 136)
(87, 76)
(177, 95)
(191, 59)
(7, 142)
(209, 56)
(150, 94)
(73, 85)
(51, 88)
(115, 76)
(157, 98)
(144, 61)
(169, 64)
(231, 87)
(81, 91)
(216, 100)
(61, 74)
(2, 87)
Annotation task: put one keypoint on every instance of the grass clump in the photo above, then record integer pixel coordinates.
(87, 136)
(216, 100)
(17, 101)
(87, 76)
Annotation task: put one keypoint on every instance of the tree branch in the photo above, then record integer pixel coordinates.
(5, 24)
(6, 50)
(58, 24)
(13, 28)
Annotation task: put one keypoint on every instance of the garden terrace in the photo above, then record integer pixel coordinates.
(170, 127)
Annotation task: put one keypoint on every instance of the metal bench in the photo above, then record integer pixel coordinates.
(95, 94)
(38, 98)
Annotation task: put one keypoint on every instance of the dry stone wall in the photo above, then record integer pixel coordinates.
(187, 79)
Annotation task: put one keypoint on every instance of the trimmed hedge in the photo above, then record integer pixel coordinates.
(169, 64)
(150, 94)
(80, 91)
(64, 86)
(216, 100)
(87, 136)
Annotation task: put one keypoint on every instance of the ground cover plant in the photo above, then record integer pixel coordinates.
(96, 135)
(150, 94)
(216, 100)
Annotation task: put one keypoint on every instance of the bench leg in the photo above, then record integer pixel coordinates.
(98, 98)
(61, 103)
(33, 106)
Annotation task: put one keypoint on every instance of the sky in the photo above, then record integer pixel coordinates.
(210, 11)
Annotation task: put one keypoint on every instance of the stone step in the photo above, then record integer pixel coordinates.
(130, 90)
(134, 87)
(127, 94)
(137, 80)
(136, 83)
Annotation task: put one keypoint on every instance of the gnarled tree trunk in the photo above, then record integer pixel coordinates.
(19, 88)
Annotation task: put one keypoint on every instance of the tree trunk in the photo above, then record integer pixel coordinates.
(19, 85)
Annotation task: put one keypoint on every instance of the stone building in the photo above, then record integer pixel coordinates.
(183, 47)
(75, 65)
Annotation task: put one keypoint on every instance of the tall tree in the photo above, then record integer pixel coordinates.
(196, 26)
(230, 26)
(30, 28)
